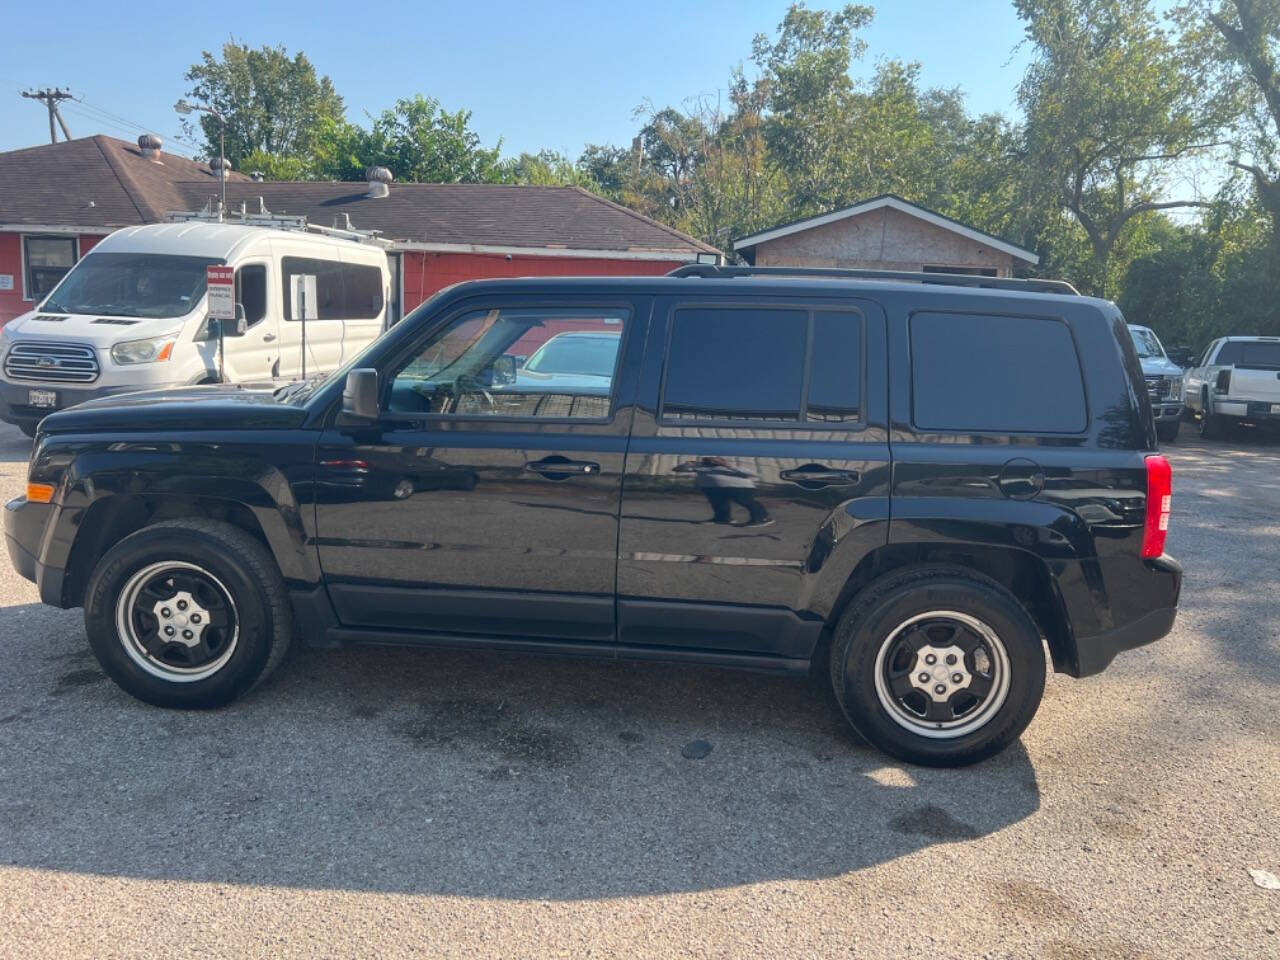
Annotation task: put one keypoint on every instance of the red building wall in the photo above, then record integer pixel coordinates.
(427, 273)
(11, 302)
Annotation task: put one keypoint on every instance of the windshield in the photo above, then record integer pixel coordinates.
(149, 285)
(590, 355)
(1251, 354)
(1146, 343)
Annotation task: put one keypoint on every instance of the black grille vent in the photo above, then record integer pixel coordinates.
(48, 318)
(118, 321)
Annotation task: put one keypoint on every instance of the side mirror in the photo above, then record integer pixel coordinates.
(504, 370)
(215, 327)
(520, 360)
(360, 395)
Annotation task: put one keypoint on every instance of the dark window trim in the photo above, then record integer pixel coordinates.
(997, 432)
(808, 307)
(22, 247)
(626, 309)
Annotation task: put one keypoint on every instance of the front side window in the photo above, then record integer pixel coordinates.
(995, 374)
(46, 261)
(146, 285)
(728, 364)
(251, 292)
(514, 362)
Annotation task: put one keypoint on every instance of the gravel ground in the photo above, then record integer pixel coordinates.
(370, 803)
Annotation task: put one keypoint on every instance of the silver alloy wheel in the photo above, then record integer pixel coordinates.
(942, 674)
(177, 621)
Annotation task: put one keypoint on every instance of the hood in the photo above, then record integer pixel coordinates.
(1160, 366)
(216, 407)
(93, 329)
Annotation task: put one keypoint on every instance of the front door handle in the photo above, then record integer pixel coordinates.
(814, 475)
(558, 468)
(268, 337)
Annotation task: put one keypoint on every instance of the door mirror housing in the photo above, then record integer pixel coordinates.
(504, 370)
(215, 327)
(360, 396)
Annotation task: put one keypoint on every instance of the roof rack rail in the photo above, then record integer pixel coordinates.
(709, 271)
(212, 213)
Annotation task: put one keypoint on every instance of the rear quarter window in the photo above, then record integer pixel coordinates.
(997, 374)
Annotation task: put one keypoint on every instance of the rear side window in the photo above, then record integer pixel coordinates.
(764, 365)
(995, 374)
(1250, 354)
(344, 291)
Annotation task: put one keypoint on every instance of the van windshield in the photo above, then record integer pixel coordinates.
(132, 285)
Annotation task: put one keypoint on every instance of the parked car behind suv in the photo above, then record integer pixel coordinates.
(1164, 382)
(918, 483)
(1237, 380)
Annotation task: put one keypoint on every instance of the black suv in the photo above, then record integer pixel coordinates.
(918, 482)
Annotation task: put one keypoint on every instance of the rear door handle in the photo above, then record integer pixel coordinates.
(818, 475)
(560, 467)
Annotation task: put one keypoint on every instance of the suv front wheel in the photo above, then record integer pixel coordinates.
(187, 613)
(938, 666)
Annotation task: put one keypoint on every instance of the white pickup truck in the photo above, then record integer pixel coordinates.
(1236, 381)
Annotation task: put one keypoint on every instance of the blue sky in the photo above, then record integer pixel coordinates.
(535, 75)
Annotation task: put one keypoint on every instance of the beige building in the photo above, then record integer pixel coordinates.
(885, 233)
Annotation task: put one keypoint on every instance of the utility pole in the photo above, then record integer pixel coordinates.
(51, 97)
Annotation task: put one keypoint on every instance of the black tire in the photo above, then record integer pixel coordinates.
(1167, 430)
(1212, 426)
(873, 621)
(239, 582)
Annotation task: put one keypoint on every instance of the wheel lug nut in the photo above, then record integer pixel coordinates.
(924, 677)
(957, 677)
(182, 604)
(166, 612)
(187, 634)
(940, 688)
(168, 631)
(951, 659)
(195, 618)
(931, 659)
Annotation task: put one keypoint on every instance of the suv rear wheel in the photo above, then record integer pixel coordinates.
(187, 613)
(938, 666)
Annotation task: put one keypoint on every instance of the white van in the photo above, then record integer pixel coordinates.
(131, 315)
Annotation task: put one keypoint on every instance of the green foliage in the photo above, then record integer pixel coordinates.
(273, 104)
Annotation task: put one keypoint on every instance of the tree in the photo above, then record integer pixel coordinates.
(1234, 48)
(1109, 115)
(420, 142)
(273, 104)
(810, 125)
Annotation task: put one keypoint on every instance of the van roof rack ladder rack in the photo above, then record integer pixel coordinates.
(278, 221)
(709, 271)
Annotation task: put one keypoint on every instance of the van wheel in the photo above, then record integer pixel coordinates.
(188, 613)
(938, 666)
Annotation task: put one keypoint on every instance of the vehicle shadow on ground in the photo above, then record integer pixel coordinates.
(462, 773)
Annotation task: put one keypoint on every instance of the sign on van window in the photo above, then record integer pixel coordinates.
(221, 283)
(304, 297)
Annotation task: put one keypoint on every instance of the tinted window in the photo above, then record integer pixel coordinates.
(514, 362)
(251, 292)
(47, 260)
(344, 291)
(1250, 354)
(735, 364)
(1004, 374)
(835, 367)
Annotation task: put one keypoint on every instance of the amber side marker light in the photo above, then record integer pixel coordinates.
(39, 492)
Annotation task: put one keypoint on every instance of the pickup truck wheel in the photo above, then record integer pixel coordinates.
(1212, 426)
(1167, 430)
(938, 666)
(187, 613)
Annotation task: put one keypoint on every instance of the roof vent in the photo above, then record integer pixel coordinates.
(150, 145)
(256, 176)
(379, 181)
(216, 165)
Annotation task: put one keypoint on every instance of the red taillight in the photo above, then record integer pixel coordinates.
(1159, 499)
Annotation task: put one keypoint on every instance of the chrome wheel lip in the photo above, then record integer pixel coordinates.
(985, 711)
(133, 645)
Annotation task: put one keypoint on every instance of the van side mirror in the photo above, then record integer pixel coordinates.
(360, 396)
(215, 327)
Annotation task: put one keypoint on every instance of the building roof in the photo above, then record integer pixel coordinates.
(97, 184)
(893, 202)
